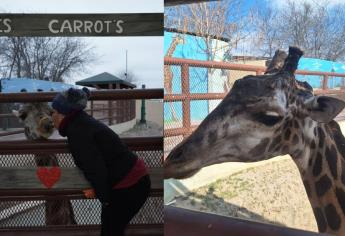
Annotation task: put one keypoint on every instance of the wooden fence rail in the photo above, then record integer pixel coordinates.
(85, 230)
(109, 94)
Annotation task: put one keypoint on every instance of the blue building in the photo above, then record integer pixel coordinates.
(15, 85)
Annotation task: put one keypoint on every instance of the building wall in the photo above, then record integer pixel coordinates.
(154, 111)
(191, 49)
(202, 80)
(314, 64)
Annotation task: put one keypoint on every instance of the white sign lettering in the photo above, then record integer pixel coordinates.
(50, 26)
(5, 23)
(85, 26)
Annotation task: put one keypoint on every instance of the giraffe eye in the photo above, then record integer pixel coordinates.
(22, 115)
(268, 118)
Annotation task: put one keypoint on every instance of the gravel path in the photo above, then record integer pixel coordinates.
(272, 193)
(144, 130)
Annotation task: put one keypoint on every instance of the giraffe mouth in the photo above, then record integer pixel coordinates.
(179, 170)
(175, 173)
(45, 136)
(45, 128)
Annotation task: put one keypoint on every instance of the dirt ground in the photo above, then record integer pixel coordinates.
(272, 193)
(144, 130)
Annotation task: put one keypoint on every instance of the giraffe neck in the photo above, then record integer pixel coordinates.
(172, 47)
(322, 168)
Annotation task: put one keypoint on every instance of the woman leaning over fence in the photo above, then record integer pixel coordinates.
(118, 177)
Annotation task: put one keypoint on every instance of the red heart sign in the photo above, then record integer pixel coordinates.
(48, 176)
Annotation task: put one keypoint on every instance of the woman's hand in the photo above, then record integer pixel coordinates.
(89, 193)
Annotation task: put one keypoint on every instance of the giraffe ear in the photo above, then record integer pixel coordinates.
(20, 114)
(324, 109)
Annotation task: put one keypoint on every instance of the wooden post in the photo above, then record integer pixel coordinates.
(110, 107)
(186, 102)
(91, 107)
(259, 72)
(143, 109)
(325, 82)
(118, 111)
(133, 106)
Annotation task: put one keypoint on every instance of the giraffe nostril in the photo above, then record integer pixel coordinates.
(48, 126)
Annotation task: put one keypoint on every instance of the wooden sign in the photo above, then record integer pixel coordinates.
(48, 177)
(133, 24)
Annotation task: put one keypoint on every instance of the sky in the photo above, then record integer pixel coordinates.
(145, 54)
(282, 3)
(247, 47)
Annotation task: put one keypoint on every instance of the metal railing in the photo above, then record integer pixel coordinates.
(185, 68)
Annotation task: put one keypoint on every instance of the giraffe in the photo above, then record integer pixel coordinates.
(269, 115)
(38, 125)
(168, 74)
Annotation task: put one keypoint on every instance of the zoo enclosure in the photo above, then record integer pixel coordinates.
(22, 210)
(198, 86)
(109, 112)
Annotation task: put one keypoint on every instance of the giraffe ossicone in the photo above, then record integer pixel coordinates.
(269, 115)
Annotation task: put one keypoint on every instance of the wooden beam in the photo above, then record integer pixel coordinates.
(26, 178)
(169, 3)
(81, 230)
(113, 94)
(131, 24)
(52, 146)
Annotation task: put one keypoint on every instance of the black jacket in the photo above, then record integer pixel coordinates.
(98, 152)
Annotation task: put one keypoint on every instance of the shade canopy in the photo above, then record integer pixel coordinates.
(103, 80)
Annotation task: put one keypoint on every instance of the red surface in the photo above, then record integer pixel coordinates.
(50, 176)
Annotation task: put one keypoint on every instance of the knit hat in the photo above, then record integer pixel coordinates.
(71, 100)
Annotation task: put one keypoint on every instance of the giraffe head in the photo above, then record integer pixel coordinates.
(261, 117)
(179, 39)
(37, 120)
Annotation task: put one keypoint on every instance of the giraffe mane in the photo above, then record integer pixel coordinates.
(338, 137)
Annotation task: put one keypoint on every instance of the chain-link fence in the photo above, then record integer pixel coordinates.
(85, 211)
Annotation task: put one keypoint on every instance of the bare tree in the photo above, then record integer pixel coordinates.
(211, 20)
(129, 76)
(44, 57)
(266, 33)
(317, 28)
(218, 26)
